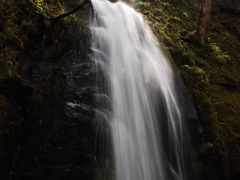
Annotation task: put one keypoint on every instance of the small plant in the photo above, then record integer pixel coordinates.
(186, 14)
(144, 5)
(163, 33)
(221, 56)
(197, 72)
(195, 69)
(38, 4)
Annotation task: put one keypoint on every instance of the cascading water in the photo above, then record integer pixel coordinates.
(145, 119)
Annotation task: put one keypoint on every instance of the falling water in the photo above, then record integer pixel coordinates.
(145, 119)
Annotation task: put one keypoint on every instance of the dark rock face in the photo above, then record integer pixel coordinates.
(48, 126)
(57, 136)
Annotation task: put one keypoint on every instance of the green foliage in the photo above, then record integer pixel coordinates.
(144, 5)
(163, 33)
(38, 4)
(197, 73)
(221, 56)
(185, 14)
(194, 69)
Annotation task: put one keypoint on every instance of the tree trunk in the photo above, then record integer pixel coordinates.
(204, 19)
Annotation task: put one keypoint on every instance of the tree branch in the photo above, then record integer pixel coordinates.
(74, 10)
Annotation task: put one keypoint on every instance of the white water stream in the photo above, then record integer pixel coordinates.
(145, 121)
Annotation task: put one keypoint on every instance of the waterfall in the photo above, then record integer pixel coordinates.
(145, 119)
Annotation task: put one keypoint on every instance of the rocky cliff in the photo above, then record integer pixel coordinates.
(45, 73)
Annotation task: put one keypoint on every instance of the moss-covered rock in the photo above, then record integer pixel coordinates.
(32, 50)
(212, 75)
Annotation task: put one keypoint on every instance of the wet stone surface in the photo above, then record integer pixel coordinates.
(57, 141)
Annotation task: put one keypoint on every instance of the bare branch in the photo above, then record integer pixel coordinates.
(74, 10)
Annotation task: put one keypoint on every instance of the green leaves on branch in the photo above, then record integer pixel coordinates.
(221, 56)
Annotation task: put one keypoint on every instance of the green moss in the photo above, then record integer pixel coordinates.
(163, 33)
(38, 4)
(194, 69)
(197, 81)
(198, 73)
(220, 55)
(185, 14)
(48, 8)
(144, 4)
(72, 21)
